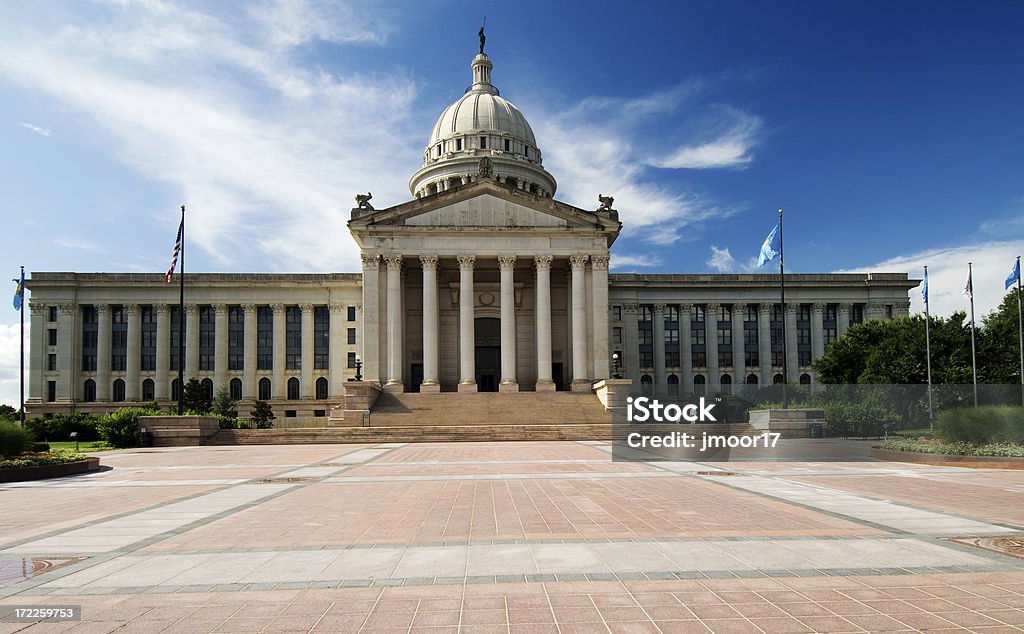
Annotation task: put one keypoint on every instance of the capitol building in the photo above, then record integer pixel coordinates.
(482, 282)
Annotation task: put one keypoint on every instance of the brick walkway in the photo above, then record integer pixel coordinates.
(515, 537)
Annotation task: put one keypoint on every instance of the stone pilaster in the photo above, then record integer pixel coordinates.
(103, 354)
(739, 317)
(843, 318)
(764, 343)
(278, 386)
(792, 359)
(133, 360)
(660, 384)
(220, 347)
(162, 387)
(69, 371)
(580, 380)
(371, 318)
(631, 342)
(394, 324)
(37, 351)
(686, 346)
(336, 350)
(467, 326)
(191, 342)
(599, 313)
(307, 389)
(543, 290)
(431, 328)
(817, 330)
(249, 350)
(509, 381)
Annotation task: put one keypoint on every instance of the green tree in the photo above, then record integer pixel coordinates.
(225, 406)
(8, 413)
(195, 399)
(262, 415)
(999, 344)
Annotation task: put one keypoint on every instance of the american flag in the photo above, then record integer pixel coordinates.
(174, 255)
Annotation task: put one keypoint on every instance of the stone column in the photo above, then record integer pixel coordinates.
(249, 351)
(431, 329)
(660, 385)
(133, 360)
(792, 359)
(103, 354)
(599, 311)
(817, 330)
(191, 342)
(580, 381)
(394, 329)
(764, 343)
(544, 382)
(220, 347)
(711, 341)
(739, 357)
(686, 347)
(38, 351)
(509, 381)
(874, 312)
(66, 354)
(278, 387)
(307, 388)
(467, 327)
(371, 318)
(843, 318)
(631, 343)
(163, 353)
(336, 351)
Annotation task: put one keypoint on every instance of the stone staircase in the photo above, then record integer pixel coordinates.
(453, 417)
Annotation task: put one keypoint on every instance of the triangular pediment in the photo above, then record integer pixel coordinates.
(485, 205)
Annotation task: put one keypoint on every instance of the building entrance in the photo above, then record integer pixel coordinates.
(488, 353)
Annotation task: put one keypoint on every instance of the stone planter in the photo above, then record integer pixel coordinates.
(944, 460)
(791, 423)
(180, 431)
(21, 474)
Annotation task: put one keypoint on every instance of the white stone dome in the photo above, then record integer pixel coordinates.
(481, 124)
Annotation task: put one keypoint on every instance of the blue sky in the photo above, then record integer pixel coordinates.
(890, 132)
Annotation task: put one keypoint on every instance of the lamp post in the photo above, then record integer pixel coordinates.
(359, 368)
(615, 366)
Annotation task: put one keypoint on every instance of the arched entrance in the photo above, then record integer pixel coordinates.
(488, 353)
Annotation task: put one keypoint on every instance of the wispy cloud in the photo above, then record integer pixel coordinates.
(728, 147)
(947, 275)
(721, 260)
(632, 262)
(208, 103)
(67, 242)
(38, 130)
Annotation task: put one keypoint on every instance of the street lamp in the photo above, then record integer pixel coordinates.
(359, 368)
(615, 366)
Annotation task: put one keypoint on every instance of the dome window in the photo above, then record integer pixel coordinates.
(508, 145)
(483, 143)
(458, 145)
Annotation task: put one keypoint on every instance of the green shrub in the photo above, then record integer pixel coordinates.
(38, 447)
(227, 422)
(59, 427)
(262, 415)
(981, 425)
(120, 428)
(13, 439)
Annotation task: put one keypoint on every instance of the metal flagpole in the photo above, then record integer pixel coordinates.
(974, 356)
(1020, 328)
(181, 316)
(782, 289)
(928, 347)
(21, 311)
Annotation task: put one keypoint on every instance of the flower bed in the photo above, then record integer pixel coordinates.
(45, 465)
(959, 454)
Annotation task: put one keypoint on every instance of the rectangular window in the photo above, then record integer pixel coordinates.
(508, 145)
(236, 338)
(90, 332)
(671, 336)
(616, 335)
(51, 336)
(51, 362)
(458, 148)
(148, 334)
(698, 342)
(776, 335)
(351, 313)
(118, 339)
(51, 391)
(483, 143)
(351, 336)
(52, 313)
(351, 360)
(856, 314)
(293, 337)
(645, 334)
(321, 337)
(616, 313)
(803, 334)
(264, 338)
(207, 335)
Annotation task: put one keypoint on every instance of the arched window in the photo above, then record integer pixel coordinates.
(118, 390)
(175, 390)
(646, 385)
(89, 391)
(673, 385)
(778, 380)
(148, 390)
(207, 388)
(751, 379)
(698, 384)
(727, 384)
(264, 389)
(236, 389)
(321, 388)
(293, 389)
(805, 379)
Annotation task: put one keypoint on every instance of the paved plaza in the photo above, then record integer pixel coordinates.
(511, 537)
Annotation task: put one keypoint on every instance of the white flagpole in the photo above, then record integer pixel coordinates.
(1020, 328)
(974, 355)
(928, 347)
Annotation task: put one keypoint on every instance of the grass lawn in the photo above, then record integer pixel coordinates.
(87, 445)
(912, 433)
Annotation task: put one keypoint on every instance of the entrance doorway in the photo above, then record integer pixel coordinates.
(488, 353)
(415, 377)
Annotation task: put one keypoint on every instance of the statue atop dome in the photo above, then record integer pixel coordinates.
(483, 38)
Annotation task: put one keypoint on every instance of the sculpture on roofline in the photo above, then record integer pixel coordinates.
(485, 169)
(483, 38)
(363, 201)
(606, 202)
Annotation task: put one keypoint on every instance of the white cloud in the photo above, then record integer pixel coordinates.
(947, 275)
(630, 262)
(68, 242)
(727, 148)
(38, 130)
(721, 260)
(9, 362)
(267, 152)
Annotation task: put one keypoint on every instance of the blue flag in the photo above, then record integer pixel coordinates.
(767, 253)
(19, 292)
(1014, 275)
(924, 287)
